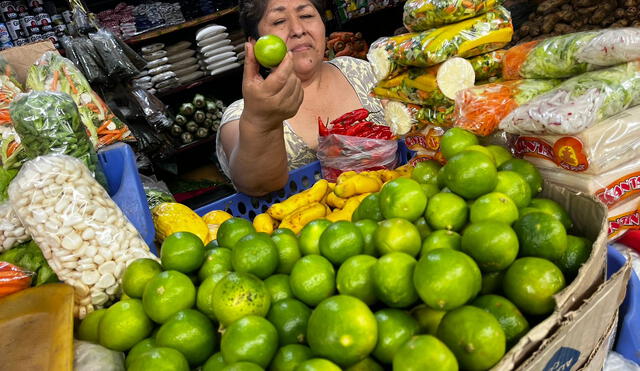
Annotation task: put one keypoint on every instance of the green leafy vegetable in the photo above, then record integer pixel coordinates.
(29, 256)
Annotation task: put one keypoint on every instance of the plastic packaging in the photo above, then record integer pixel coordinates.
(82, 233)
(89, 357)
(616, 362)
(134, 57)
(578, 103)
(163, 77)
(152, 48)
(155, 55)
(187, 53)
(421, 15)
(157, 63)
(425, 142)
(13, 279)
(623, 218)
(7, 70)
(115, 61)
(156, 191)
(572, 54)
(475, 36)
(153, 109)
(481, 108)
(89, 60)
(55, 73)
(11, 230)
(489, 65)
(340, 153)
(27, 255)
(160, 69)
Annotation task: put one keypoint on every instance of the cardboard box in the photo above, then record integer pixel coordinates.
(22, 57)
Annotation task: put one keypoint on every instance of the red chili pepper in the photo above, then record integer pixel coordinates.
(322, 129)
(351, 117)
(359, 128)
(339, 129)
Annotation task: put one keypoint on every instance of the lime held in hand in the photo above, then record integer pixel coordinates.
(270, 50)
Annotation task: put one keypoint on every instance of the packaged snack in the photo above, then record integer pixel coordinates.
(425, 142)
(488, 66)
(421, 15)
(623, 218)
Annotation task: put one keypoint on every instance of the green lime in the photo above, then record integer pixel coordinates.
(392, 280)
(430, 189)
(182, 252)
(205, 294)
(440, 179)
(492, 283)
(395, 327)
(270, 50)
(212, 245)
(166, 294)
(191, 333)
(508, 315)
(368, 228)
(310, 236)
(494, 206)
(493, 245)
(255, 253)
(124, 325)
(369, 208)
(278, 286)
(482, 149)
(137, 275)
(88, 330)
(340, 241)
(426, 172)
(367, 364)
(283, 231)
(423, 227)
(515, 187)
(215, 260)
(441, 239)
(232, 230)
(214, 363)
(541, 235)
(249, 339)
(530, 283)
(470, 174)
(577, 253)
(424, 352)
(355, 278)
(138, 349)
(312, 279)
(317, 364)
(456, 140)
(528, 172)
(160, 359)
(446, 279)
(242, 366)
(238, 295)
(447, 211)
(342, 329)
(553, 208)
(288, 251)
(428, 318)
(474, 336)
(500, 154)
(397, 235)
(289, 357)
(402, 198)
(290, 318)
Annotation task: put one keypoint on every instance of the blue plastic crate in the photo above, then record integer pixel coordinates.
(125, 188)
(628, 339)
(241, 205)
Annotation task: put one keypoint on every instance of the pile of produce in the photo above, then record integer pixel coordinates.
(197, 119)
(416, 277)
(349, 44)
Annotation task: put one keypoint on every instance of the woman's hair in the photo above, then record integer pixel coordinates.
(252, 11)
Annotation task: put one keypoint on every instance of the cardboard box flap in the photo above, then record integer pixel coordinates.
(596, 360)
(22, 57)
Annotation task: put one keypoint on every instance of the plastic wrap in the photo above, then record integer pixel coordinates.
(11, 152)
(88, 59)
(623, 218)
(606, 146)
(28, 256)
(7, 70)
(13, 279)
(55, 73)
(11, 230)
(49, 122)
(90, 357)
(488, 32)
(340, 153)
(421, 15)
(425, 142)
(481, 108)
(82, 233)
(153, 108)
(115, 61)
(423, 115)
(67, 44)
(489, 65)
(615, 361)
(133, 56)
(578, 103)
(572, 54)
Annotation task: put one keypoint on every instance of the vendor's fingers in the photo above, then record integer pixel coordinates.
(281, 74)
(251, 67)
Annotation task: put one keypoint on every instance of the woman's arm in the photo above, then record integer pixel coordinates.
(254, 144)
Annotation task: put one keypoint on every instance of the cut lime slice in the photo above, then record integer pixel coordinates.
(454, 75)
(398, 118)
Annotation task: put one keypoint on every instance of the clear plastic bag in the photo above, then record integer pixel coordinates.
(55, 73)
(115, 61)
(416, 85)
(7, 70)
(572, 54)
(49, 122)
(13, 279)
(340, 153)
(578, 103)
(82, 233)
(11, 230)
(133, 56)
(489, 65)
(481, 108)
(421, 15)
(154, 110)
(89, 60)
(89, 357)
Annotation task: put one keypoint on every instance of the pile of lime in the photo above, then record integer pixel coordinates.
(445, 270)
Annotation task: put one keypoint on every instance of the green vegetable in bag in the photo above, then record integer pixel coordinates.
(29, 256)
(487, 66)
(421, 15)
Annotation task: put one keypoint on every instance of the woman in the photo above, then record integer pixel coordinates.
(274, 129)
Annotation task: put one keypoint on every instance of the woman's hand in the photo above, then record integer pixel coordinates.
(268, 102)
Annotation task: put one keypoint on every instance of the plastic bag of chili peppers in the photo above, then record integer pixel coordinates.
(350, 142)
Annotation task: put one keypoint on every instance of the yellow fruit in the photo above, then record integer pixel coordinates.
(264, 223)
(356, 185)
(216, 217)
(312, 195)
(344, 176)
(172, 217)
(388, 175)
(303, 215)
(335, 201)
(405, 170)
(347, 211)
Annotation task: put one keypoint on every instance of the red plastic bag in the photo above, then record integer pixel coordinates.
(13, 279)
(340, 153)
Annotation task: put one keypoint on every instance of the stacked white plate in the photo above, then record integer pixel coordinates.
(157, 75)
(215, 51)
(184, 63)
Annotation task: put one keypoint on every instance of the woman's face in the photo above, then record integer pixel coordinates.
(299, 24)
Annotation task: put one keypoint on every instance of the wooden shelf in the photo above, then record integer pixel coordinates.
(197, 83)
(195, 144)
(192, 23)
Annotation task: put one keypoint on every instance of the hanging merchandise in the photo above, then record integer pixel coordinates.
(116, 63)
(578, 103)
(88, 58)
(154, 110)
(480, 109)
(488, 66)
(422, 15)
(55, 73)
(572, 54)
